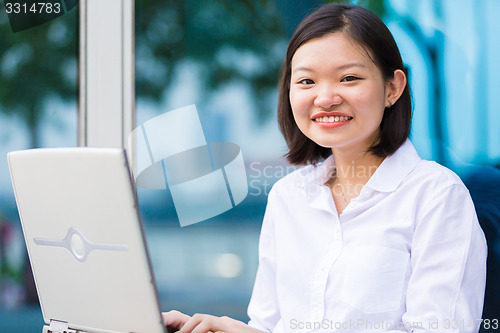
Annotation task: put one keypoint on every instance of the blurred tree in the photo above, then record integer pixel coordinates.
(36, 65)
(229, 40)
(375, 6)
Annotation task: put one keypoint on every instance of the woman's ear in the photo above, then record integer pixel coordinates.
(395, 87)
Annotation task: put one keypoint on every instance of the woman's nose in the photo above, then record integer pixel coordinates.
(327, 98)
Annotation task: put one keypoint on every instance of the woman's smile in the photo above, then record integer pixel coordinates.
(331, 119)
(337, 93)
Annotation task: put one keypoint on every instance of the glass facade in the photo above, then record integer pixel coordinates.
(224, 57)
(38, 108)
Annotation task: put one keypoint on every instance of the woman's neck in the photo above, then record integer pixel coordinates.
(355, 167)
(353, 170)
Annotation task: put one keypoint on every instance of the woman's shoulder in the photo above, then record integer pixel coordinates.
(433, 174)
(290, 182)
(407, 169)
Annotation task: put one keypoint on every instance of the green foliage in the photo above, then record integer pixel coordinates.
(212, 34)
(375, 6)
(37, 64)
(230, 40)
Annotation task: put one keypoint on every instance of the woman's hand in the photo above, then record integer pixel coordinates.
(174, 320)
(202, 323)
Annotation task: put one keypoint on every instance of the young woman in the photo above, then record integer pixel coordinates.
(367, 236)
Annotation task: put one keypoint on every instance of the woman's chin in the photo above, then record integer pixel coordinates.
(329, 143)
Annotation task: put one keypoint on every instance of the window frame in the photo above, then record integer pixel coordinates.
(106, 110)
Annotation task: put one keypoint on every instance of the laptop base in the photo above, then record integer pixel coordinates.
(58, 327)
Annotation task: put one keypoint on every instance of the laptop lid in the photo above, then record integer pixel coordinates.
(85, 241)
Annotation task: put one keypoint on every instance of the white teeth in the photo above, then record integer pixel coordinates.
(332, 119)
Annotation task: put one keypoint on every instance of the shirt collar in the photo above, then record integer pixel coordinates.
(320, 173)
(386, 178)
(313, 181)
(394, 169)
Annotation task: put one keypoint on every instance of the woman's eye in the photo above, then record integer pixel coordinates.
(349, 78)
(306, 81)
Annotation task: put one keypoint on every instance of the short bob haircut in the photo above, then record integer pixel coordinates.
(374, 37)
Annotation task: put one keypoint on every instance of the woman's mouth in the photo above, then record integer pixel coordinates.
(332, 119)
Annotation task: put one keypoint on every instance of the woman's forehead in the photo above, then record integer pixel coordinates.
(335, 49)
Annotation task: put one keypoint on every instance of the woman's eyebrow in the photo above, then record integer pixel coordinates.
(341, 67)
(302, 68)
(351, 64)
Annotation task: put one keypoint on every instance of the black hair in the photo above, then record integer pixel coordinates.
(374, 37)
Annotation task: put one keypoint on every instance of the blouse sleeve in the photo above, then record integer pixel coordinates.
(263, 309)
(448, 262)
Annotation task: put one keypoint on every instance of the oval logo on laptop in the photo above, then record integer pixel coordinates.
(79, 246)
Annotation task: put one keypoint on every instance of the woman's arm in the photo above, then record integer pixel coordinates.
(263, 309)
(203, 323)
(448, 261)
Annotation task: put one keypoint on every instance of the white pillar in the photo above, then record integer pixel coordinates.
(107, 94)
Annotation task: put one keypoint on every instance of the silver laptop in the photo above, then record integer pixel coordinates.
(85, 241)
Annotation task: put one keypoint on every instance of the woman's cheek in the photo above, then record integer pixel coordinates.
(299, 101)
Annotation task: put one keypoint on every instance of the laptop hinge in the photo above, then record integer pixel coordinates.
(59, 327)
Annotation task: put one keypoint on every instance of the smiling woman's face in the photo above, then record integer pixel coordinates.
(337, 93)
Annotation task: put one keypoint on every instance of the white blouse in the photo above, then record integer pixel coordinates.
(407, 254)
